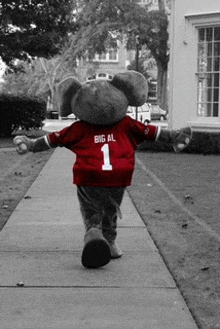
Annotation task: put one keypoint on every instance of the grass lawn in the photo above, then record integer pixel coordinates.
(17, 173)
(177, 196)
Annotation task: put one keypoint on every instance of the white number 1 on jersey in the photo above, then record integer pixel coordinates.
(107, 165)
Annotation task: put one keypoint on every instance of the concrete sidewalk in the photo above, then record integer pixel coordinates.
(41, 246)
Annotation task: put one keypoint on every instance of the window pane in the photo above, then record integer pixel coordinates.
(152, 93)
(210, 48)
(216, 95)
(204, 110)
(209, 94)
(201, 34)
(217, 33)
(216, 80)
(113, 54)
(215, 109)
(201, 110)
(208, 109)
(209, 32)
(102, 75)
(217, 48)
(102, 56)
(202, 57)
(209, 64)
(209, 80)
(216, 63)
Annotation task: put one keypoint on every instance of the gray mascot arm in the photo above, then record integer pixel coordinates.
(178, 138)
(25, 144)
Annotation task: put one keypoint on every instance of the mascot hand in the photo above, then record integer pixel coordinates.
(178, 138)
(23, 144)
(181, 139)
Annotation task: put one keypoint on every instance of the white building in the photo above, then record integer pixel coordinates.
(194, 75)
(2, 70)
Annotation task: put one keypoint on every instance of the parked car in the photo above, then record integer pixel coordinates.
(157, 113)
(143, 113)
(72, 117)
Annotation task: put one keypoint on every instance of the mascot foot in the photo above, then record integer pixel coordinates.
(96, 251)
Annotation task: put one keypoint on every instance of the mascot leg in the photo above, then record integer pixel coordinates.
(100, 207)
(109, 226)
(96, 251)
(111, 210)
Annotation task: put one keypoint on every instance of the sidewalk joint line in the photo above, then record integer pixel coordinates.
(87, 287)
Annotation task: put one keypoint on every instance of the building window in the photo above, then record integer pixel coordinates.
(208, 71)
(110, 56)
(100, 76)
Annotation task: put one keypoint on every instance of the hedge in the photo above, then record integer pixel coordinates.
(202, 143)
(20, 112)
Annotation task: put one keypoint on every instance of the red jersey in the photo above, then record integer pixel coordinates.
(105, 155)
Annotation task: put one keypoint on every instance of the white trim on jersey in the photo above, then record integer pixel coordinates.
(47, 141)
(158, 133)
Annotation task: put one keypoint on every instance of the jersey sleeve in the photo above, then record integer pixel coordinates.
(65, 137)
(142, 132)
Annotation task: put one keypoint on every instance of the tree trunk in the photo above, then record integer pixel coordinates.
(162, 99)
(161, 5)
(51, 82)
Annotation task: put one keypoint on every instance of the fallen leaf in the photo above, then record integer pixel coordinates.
(20, 284)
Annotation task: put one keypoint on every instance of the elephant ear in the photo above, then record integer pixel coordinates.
(134, 85)
(65, 92)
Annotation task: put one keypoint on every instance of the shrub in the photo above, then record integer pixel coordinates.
(20, 112)
(202, 143)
